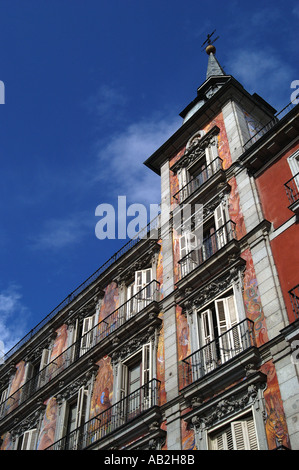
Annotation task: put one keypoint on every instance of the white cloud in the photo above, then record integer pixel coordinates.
(261, 71)
(12, 316)
(64, 232)
(121, 160)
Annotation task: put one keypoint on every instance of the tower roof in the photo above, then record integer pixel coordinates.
(214, 68)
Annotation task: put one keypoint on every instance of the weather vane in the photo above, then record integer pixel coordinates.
(209, 42)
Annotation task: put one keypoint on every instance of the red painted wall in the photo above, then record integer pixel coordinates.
(272, 192)
(275, 204)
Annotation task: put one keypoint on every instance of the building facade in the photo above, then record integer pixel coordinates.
(183, 340)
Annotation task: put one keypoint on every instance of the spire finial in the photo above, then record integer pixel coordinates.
(210, 48)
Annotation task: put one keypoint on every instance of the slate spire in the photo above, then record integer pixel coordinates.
(214, 68)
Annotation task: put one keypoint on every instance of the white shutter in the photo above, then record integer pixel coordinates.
(146, 376)
(131, 300)
(45, 359)
(81, 404)
(238, 435)
(87, 333)
(219, 217)
(182, 177)
(207, 342)
(122, 391)
(188, 244)
(28, 441)
(4, 396)
(227, 319)
(142, 279)
(123, 380)
(223, 326)
(223, 440)
(244, 435)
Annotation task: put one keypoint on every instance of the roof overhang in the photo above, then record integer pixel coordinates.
(231, 90)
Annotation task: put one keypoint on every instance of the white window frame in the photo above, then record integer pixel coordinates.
(87, 335)
(82, 404)
(29, 439)
(188, 243)
(45, 360)
(242, 430)
(204, 322)
(3, 398)
(293, 161)
(136, 303)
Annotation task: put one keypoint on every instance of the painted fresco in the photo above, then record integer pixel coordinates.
(48, 426)
(223, 146)
(176, 255)
(60, 343)
(17, 382)
(7, 443)
(182, 335)
(110, 301)
(234, 209)
(159, 276)
(252, 300)
(276, 427)
(161, 364)
(102, 393)
(188, 436)
(173, 179)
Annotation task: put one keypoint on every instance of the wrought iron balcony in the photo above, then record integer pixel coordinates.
(207, 248)
(292, 190)
(215, 353)
(198, 181)
(294, 297)
(110, 420)
(92, 339)
(263, 130)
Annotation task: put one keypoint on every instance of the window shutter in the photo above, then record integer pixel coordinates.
(131, 300)
(207, 338)
(188, 244)
(123, 380)
(142, 279)
(223, 326)
(146, 378)
(239, 435)
(146, 363)
(46, 356)
(182, 177)
(252, 437)
(244, 435)
(227, 319)
(4, 396)
(81, 406)
(219, 217)
(28, 441)
(87, 333)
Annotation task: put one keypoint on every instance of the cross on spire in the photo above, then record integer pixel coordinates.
(210, 47)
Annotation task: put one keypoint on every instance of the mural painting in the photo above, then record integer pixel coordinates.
(234, 209)
(276, 427)
(48, 426)
(252, 301)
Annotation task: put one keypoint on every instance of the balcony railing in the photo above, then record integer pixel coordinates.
(198, 180)
(215, 353)
(294, 297)
(108, 421)
(150, 293)
(147, 232)
(207, 248)
(292, 190)
(269, 125)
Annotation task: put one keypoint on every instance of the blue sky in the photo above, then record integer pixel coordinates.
(92, 88)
